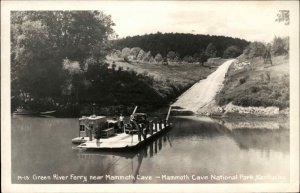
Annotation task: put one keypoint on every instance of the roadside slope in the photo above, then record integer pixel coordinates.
(203, 92)
(253, 88)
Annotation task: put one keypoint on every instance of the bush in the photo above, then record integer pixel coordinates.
(126, 59)
(232, 52)
(242, 80)
(246, 101)
(254, 89)
(120, 68)
(223, 101)
(116, 53)
(188, 59)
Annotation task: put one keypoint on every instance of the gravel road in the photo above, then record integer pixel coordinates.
(204, 91)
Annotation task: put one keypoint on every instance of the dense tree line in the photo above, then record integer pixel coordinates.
(58, 62)
(183, 44)
(137, 54)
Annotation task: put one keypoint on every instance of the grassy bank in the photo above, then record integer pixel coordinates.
(169, 81)
(252, 83)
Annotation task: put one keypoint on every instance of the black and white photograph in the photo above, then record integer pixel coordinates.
(149, 96)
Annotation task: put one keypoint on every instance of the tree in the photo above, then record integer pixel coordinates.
(151, 60)
(196, 56)
(135, 51)
(188, 59)
(211, 50)
(140, 55)
(232, 52)
(172, 56)
(203, 57)
(158, 58)
(30, 62)
(255, 49)
(176, 59)
(116, 53)
(147, 57)
(280, 46)
(41, 40)
(74, 70)
(125, 53)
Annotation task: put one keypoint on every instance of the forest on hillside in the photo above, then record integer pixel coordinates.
(187, 47)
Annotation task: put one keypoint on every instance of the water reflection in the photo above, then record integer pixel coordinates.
(194, 145)
(135, 156)
(262, 139)
(256, 134)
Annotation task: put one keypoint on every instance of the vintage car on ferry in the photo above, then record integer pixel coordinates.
(137, 121)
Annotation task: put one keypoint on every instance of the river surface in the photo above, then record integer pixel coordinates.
(195, 150)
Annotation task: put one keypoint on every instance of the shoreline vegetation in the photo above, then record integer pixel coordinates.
(69, 62)
(253, 89)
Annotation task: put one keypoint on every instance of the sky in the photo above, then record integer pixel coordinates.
(253, 21)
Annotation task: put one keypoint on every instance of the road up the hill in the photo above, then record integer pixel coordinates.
(204, 91)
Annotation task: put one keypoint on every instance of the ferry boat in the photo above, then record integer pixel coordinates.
(101, 133)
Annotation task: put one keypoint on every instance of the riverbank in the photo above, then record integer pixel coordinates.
(231, 111)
